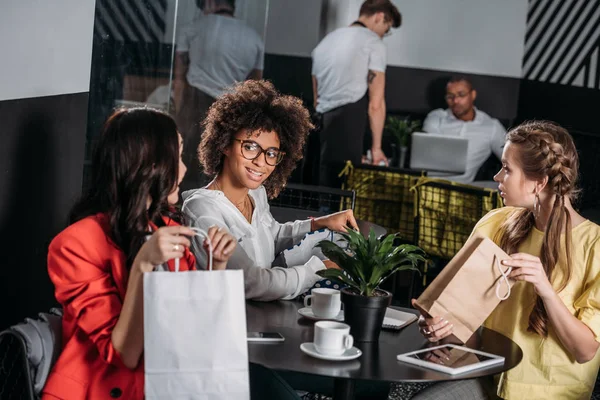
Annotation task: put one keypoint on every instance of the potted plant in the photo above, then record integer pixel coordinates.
(365, 264)
(401, 129)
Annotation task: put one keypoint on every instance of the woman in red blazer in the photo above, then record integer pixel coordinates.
(123, 227)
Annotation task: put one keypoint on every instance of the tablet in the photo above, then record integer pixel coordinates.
(451, 359)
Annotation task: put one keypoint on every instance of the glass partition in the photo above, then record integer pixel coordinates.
(138, 46)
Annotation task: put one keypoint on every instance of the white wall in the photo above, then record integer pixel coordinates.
(293, 26)
(474, 36)
(46, 47)
(471, 36)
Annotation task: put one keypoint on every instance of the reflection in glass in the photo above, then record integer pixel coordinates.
(214, 50)
(133, 59)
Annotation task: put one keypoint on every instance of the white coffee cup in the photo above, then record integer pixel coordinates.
(332, 338)
(325, 303)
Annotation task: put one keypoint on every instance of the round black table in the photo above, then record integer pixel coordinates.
(286, 214)
(378, 361)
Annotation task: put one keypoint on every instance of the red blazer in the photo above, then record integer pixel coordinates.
(90, 278)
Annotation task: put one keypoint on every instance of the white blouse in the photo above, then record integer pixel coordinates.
(258, 243)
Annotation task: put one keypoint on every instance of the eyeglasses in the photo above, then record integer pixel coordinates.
(460, 95)
(252, 150)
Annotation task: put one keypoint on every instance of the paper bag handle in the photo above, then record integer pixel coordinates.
(201, 233)
(503, 278)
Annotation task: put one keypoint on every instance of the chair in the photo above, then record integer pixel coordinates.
(15, 376)
(27, 353)
(596, 392)
(446, 213)
(488, 169)
(314, 198)
(383, 196)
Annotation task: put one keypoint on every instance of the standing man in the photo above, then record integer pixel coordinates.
(214, 51)
(348, 75)
(463, 119)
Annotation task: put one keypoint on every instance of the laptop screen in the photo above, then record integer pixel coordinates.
(443, 153)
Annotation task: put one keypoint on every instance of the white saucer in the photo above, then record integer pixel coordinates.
(350, 354)
(308, 313)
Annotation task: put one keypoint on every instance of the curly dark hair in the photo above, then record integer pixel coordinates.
(255, 106)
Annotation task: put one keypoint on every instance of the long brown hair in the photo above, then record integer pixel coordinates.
(136, 159)
(545, 149)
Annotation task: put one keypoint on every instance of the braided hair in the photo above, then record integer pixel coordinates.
(545, 149)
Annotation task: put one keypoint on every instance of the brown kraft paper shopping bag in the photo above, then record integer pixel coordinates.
(469, 288)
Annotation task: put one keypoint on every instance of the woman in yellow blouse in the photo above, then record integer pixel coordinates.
(553, 312)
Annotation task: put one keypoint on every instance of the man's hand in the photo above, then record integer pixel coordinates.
(378, 156)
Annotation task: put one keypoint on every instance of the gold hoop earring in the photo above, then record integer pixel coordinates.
(536, 206)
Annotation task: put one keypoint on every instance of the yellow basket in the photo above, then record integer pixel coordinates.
(446, 213)
(383, 196)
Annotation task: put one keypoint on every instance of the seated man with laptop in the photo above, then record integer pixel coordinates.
(464, 136)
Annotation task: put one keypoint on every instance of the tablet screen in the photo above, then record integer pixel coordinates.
(450, 356)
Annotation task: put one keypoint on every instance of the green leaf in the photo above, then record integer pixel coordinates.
(367, 262)
(336, 254)
(372, 242)
(386, 245)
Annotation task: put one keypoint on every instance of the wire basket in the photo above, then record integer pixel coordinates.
(383, 196)
(15, 378)
(447, 212)
(314, 198)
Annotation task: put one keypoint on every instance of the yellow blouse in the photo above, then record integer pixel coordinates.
(548, 371)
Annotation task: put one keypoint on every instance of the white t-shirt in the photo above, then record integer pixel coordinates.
(341, 64)
(222, 51)
(486, 136)
(258, 243)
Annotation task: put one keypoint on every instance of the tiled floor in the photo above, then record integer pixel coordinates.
(397, 392)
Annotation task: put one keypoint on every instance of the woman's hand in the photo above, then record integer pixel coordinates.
(438, 356)
(223, 245)
(331, 265)
(165, 244)
(434, 329)
(529, 268)
(340, 222)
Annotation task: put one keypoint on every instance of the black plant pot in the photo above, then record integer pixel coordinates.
(365, 314)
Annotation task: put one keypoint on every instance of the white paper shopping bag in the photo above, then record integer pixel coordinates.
(195, 335)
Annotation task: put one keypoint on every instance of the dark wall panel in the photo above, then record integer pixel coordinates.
(575, 108)
(290, 74)
(41, 162)
(419, 91)
(408, 90)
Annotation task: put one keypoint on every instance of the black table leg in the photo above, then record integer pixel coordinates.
(343, 389)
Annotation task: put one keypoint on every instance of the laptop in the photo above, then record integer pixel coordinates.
(434, 152)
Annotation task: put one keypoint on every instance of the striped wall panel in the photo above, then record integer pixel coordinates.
(562, 42)
(131, 20)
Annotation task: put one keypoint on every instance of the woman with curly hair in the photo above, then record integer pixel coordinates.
(253, 139)
(553, 312)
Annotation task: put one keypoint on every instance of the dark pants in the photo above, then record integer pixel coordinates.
(267, 384)
(364, 390)
(341, 136)
(190, 116)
